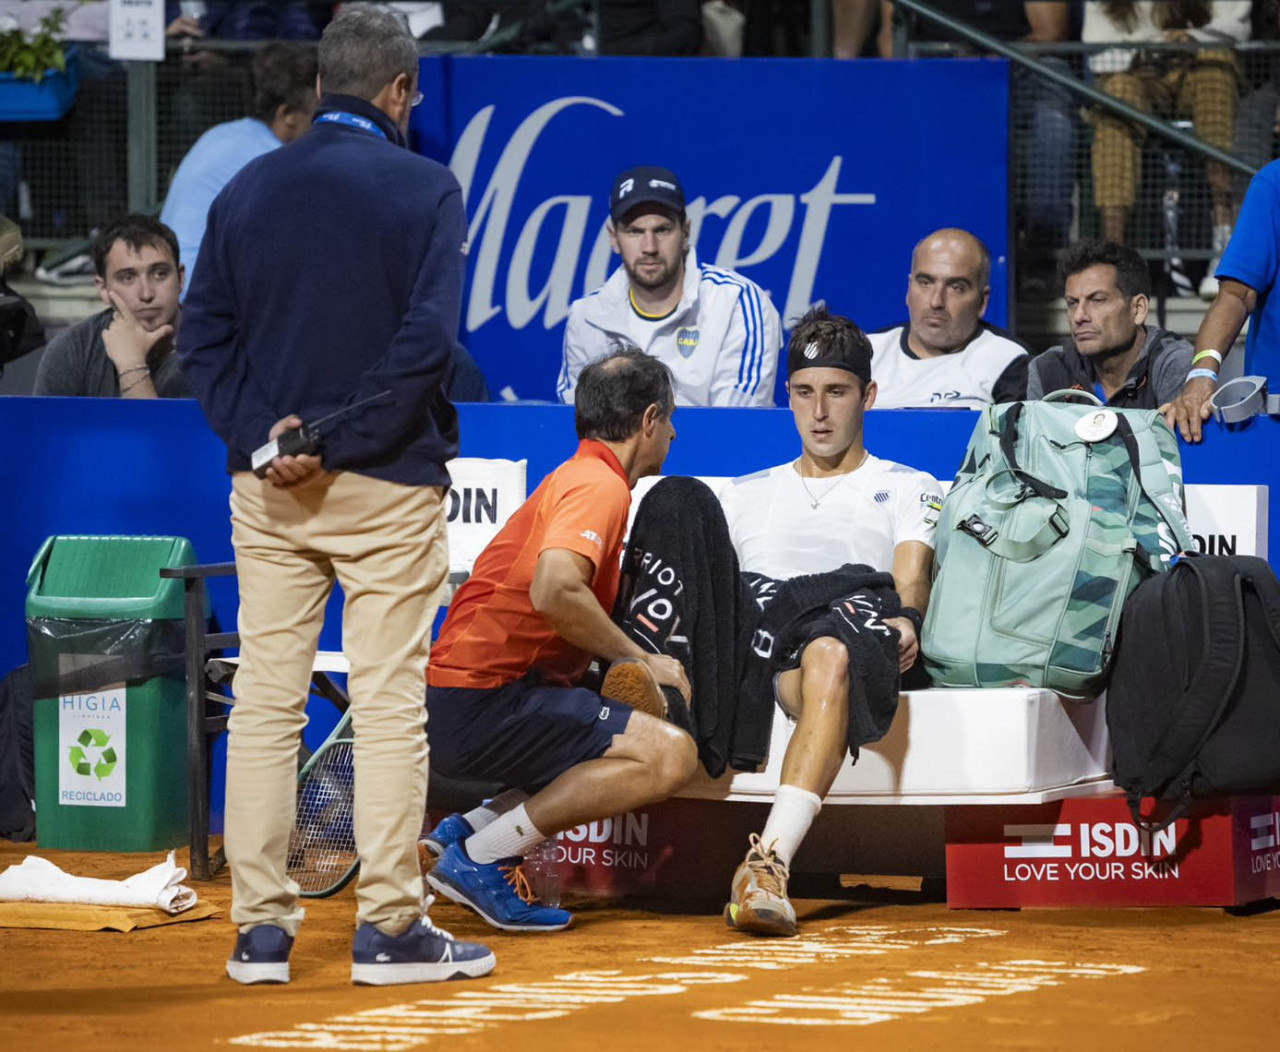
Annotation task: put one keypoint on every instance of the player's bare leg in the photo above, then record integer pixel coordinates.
(817, 696)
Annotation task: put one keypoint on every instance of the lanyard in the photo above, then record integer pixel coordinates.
(351, 121)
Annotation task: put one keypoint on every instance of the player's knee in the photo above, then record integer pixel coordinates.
(826, 656)
(675, 759)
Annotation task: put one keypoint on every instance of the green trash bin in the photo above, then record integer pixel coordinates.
(105, 635)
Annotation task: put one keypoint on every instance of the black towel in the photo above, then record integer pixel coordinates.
(849, 604)
(682, 595)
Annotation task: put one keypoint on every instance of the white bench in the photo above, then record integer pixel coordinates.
(1012, 746)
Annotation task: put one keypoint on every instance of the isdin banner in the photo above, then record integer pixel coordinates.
(813, 178)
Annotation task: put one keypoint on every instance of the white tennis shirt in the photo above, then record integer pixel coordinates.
(860, 517)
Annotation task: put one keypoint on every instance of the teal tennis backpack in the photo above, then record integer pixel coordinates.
(1059, 511)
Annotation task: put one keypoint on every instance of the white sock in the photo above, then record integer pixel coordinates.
(507, 836)
(479, 817)
(794, 810)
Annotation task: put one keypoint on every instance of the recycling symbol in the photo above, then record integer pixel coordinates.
(80, 760)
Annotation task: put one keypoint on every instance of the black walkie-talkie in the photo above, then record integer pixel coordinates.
(303, 440)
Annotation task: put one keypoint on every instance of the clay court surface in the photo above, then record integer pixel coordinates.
(886, 971)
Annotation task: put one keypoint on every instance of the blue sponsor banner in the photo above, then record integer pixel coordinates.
(176, 484)
(813, 178)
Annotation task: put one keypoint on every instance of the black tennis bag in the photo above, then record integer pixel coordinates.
(1194, 701)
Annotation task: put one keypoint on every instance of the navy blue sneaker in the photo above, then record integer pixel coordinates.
(423, 954)
(261, 955)
(498, 891)
(432, 846)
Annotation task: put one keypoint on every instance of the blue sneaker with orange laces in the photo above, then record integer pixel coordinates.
(498, 891)
(431, 847)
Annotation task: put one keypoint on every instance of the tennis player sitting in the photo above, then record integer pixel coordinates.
(501, 700)
(835, 504)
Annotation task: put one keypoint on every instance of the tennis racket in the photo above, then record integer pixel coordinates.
(322, 849)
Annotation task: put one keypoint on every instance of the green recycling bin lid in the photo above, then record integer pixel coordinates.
(107, 578)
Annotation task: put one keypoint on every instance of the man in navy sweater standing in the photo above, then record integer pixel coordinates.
(331, 272)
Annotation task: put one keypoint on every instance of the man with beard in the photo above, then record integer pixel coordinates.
(1113, 352)
(947, 356)
(715, 330)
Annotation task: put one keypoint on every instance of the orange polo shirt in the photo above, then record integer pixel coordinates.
(492, 635)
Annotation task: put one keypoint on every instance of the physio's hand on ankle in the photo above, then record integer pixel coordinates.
(669, 673)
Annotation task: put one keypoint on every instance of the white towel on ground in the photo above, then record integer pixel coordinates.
(39, 880)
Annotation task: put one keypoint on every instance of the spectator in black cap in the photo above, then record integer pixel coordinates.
(715, 330)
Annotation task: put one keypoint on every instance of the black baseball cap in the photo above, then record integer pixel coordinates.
(645, 185)
(821, 340)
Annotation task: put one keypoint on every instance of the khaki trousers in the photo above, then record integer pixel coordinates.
(386, 545)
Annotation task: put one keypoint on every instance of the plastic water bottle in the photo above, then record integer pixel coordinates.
(542, 869)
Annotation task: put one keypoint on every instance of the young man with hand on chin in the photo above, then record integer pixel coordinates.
(125, 351)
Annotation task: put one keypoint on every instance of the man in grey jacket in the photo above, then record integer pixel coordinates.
(1112, 353)
(125, 351)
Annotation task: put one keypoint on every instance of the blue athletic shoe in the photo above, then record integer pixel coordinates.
(261, 955)
(498, 891)
(455, 827)
(423, 954)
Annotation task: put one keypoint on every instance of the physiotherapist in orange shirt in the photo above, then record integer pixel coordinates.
(502, 703)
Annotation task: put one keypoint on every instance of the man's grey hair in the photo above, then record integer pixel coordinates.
(363, 50)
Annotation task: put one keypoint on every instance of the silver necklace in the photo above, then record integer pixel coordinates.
(815, 501)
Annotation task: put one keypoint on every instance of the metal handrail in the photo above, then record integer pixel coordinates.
(1098, 98)
(1079, 47)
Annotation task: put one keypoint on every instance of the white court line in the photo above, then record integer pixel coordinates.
(886, 1000)
(471, 1009)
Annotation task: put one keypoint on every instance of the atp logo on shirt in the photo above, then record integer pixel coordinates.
(686, 341)
(593, 537)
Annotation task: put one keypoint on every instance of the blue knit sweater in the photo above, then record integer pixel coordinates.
(332, 269)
